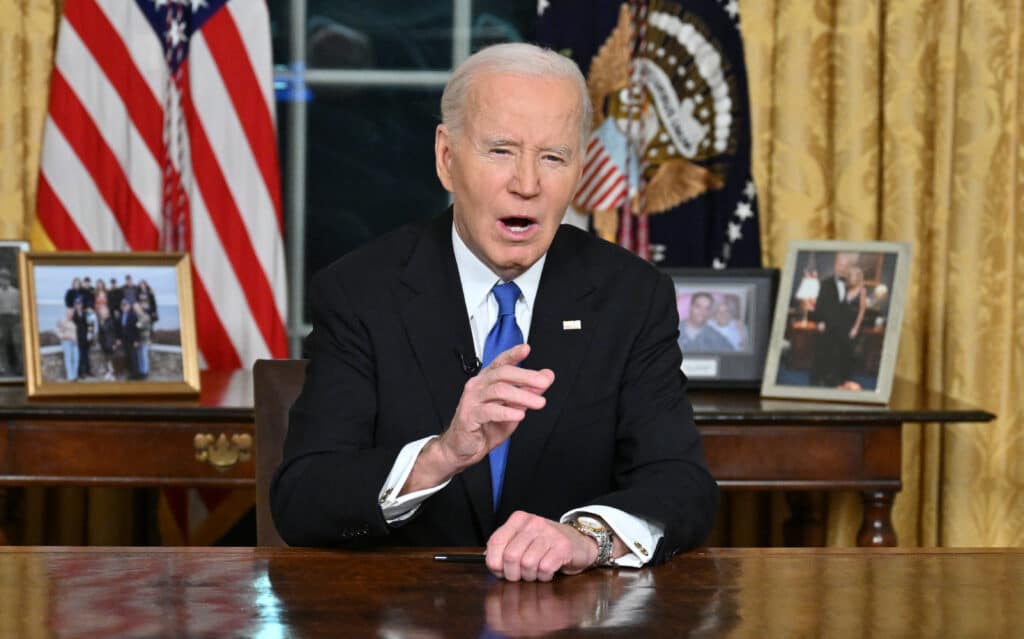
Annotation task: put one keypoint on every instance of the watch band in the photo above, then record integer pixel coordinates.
(600, 533)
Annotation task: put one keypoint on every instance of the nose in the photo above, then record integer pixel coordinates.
(526, 181)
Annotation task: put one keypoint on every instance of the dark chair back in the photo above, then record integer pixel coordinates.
(276, 384)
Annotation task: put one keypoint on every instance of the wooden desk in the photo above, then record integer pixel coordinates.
(207, 592)
(751, 443)
(89, 442)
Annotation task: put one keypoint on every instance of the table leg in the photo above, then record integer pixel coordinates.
(876, 527)
(803, 527)
(5, 518)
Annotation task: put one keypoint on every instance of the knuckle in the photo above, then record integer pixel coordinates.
(513, 556)
(548, 566)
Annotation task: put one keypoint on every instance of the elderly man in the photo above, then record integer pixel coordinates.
(491, 376)
(834, 348)
(10, 325)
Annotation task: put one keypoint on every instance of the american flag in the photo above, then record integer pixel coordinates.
(605, 184)
(161, 136)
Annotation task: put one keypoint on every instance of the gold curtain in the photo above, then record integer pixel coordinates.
(904, 120)
(28, 30)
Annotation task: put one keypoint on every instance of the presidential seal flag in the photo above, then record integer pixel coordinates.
(160, 135)
(667, 166)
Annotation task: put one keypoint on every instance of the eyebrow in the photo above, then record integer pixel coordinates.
(562, 149)
(500, 142)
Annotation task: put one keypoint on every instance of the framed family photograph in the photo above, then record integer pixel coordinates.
(108, 324)
(837, 321)
(724, 322)
(12, 368)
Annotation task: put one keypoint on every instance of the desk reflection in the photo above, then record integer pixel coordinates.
(271, 593)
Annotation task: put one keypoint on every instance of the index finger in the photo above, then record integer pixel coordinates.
(537, 381)
(499, 539)
(511, 357)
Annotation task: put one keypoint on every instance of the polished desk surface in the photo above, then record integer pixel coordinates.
(221, 592)
(223, 396)
(228, 396)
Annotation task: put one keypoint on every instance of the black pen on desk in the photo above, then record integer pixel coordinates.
(461, 558)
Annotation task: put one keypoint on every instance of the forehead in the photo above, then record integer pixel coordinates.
(532, 108)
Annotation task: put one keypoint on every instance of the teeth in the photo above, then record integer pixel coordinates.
(517, 229)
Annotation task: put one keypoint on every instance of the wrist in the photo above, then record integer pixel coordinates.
(601, 536)
(432, 468)
(589, 545)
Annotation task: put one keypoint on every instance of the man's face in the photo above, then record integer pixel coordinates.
(844, 261)
(723, 315)
(513, 167)
(700, 309)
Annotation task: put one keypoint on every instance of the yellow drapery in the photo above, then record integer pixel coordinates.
(904, 120)
(896, 120)
(27, 38)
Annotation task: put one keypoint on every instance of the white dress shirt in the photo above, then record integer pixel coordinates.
(639, 535)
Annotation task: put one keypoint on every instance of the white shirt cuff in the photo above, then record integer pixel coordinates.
(638, 534)
(397, 509)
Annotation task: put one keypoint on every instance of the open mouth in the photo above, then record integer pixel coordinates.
(517, 224)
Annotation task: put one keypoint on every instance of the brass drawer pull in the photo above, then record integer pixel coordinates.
(221, 453)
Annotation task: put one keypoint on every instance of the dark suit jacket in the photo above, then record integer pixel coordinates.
(389, 325)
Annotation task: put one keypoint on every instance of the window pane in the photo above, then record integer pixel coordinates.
(280, 34)
(379, 34)
(370, 167)
(497, 21)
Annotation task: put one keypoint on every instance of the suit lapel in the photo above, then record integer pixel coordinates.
(561, 297)
(434, 315)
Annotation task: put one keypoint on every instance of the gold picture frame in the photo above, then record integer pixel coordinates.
(837, 321)
(86, 334)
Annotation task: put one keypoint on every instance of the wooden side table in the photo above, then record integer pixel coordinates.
(751, 443)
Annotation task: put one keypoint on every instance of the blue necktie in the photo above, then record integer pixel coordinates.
(502, 337)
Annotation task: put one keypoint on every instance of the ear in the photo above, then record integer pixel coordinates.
(443, 156)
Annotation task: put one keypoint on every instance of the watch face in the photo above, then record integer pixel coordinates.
(590, 522)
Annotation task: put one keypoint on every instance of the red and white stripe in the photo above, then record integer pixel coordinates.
(603, 185)
(111, 146)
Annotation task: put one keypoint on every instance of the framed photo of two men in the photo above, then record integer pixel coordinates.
(108, 324)
(724, 322)
(837, 321)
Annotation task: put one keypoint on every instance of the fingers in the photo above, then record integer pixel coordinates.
(528, 548)
(511, 357)
(510, 395)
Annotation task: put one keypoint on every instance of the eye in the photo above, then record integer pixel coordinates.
(498, 150)
(553, 158)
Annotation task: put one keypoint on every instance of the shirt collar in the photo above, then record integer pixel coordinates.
(478, 280)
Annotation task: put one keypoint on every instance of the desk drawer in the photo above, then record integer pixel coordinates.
(125, 453)
(795, 457)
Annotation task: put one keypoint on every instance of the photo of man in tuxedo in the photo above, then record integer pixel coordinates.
(492, 377)
(833, 354)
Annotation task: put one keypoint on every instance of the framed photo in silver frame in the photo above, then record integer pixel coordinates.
(837, 321)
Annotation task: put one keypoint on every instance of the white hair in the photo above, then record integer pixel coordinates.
(514, 58)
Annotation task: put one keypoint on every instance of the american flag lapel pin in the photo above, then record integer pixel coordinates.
(571, 325)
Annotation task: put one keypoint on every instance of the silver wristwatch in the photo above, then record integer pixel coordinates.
(599, 532)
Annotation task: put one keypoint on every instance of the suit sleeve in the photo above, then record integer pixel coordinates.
(326, 490)
(660, 471)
